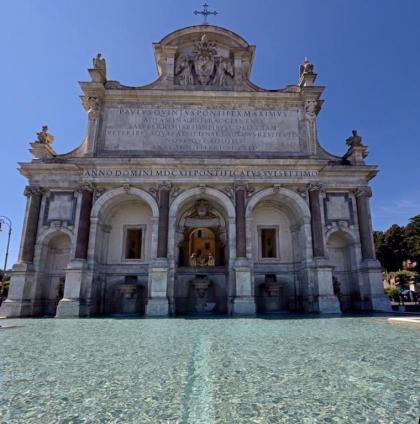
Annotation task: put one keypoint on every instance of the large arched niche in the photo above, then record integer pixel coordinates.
(182, 207)
(54, 258)
(117, 214)
(123, 241)
(279, 244)
(201, 287)
(342, 256)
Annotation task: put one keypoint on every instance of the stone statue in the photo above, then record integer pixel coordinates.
(355, 140)
(311, 107)
(43, 137)
(183, 71)
(210, 260)
(99, 63)
(202, 208)
(224, 72)
(193, 260)
(306, 68)
(94, 108)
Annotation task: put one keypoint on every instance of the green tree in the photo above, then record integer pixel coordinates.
(397, 244)
(412, 239)
(391, 247)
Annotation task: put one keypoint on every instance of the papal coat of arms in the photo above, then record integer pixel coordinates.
(204, 66)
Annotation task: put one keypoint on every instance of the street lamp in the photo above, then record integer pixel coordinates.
(5, 220)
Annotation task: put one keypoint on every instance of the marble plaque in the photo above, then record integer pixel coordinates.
(338, 207)
(195, 129)
(60, 206)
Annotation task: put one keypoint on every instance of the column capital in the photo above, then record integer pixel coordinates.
(92, 105)
(363, 191)
(86, 187)
(165, 185)
(33, 190)
(240, 185)
(315, 186)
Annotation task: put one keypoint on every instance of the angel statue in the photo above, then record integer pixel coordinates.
(99, 63)
(43, 137)
(306, 68)
(183, 71)
(355, 140)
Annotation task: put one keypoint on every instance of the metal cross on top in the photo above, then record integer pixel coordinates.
(205, 13)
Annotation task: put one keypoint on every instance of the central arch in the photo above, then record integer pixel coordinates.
(201, 251)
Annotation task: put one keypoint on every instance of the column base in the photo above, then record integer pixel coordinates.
(328, 304)
(71, 305)
(68, 308)
(16, 309)
(381, 303)
(19, 301)
(243, 306)
(157, 307)
(158, 304)
(372, 279)
(244, 301)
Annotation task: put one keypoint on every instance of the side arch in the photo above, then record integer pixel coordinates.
(289, 197)
(341, 251)
(112, 195)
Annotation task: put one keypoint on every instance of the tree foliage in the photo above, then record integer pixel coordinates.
(397, 244)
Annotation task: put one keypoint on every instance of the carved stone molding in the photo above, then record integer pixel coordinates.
(311, 109)
(126, 188)
(94, 107)
(175, 192)
(276, 187)
(99, 191)
(202, 188)
(229, 191)
(154, 191)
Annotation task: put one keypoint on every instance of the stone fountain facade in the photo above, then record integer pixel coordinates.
(200, 192)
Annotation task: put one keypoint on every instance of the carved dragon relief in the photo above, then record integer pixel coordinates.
(204, 66)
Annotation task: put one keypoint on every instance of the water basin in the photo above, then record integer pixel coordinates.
(276, 369)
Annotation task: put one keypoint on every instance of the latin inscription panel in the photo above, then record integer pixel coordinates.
(194, 129)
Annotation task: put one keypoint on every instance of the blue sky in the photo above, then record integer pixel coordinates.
(366, 53)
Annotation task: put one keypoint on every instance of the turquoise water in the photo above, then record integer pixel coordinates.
(291, 370)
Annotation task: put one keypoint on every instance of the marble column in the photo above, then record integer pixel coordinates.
(157, 304)
(83, 230)
(370, 268)
(31, 225)
(244, 300)
(327, 301)
(19, 302)
(162, 243)
(240, 222)
(72, 305)
(365, 229)
(316, 221)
